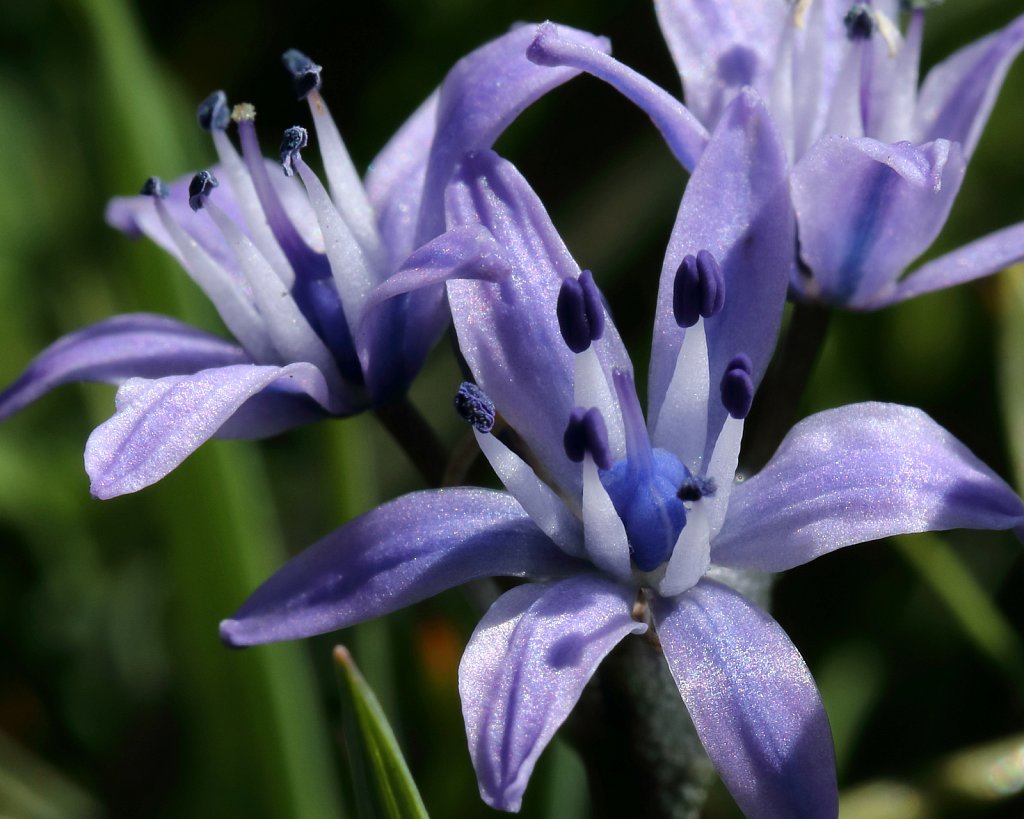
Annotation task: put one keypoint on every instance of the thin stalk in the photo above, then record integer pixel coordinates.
(775, 406)
(417, 439)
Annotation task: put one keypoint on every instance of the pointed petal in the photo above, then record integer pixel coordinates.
(982, 257)
(481, 96)
(737, 207)
(526, 666)
(159, 423)
(508, 331)
(396, 555)
(394, 180)
(404, 316)
(958, 94)
(684, 134)
(752, 700)
(866, 210)
(121, 347)
(854, 474)
(719, 48)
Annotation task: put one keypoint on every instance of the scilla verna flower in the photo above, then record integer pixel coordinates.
(624, 526)
(876, 162)
(290, 268)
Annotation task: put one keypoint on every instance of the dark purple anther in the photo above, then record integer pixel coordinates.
(585, 433)
(154, 186)
(213, 113)
(293, 141)
(694, 488)
(580, 312)
(202, 185)
(738, 386)
(305, 73)
(859, 22)
(698, 290)
(475, 407)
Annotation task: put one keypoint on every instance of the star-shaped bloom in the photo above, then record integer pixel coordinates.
(876, 161)
(290, 267)
(624, 526)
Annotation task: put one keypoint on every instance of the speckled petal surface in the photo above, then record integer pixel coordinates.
(958, 94)
(525, 667)
(866, 210)
(753, 702)
(396, 555)
(160, 422)
(118, 348)
(720, 47)
(855, 474)
(737, 207)
(508, 331)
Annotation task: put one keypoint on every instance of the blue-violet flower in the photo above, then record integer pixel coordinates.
(622, 525)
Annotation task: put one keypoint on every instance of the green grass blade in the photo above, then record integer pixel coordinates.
(383, 785)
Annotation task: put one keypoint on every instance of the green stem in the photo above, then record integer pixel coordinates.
(775, 406)
(416, 438)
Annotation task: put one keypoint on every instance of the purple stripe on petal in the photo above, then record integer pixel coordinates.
(855, 474)
(481, 96)
(126, 346)
(753, 702)
(958, 94)
(525, 667)
(396, 555)
(982, 257)
(508, 331)
(736, 207)
(159, 423)
(866, 210)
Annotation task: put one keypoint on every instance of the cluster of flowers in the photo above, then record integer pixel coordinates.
(819, 170)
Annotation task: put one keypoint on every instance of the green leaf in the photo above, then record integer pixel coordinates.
(382, 783)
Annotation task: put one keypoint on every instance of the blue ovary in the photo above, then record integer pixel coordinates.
(646, 499)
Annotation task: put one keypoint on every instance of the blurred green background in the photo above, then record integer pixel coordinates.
(116, 698)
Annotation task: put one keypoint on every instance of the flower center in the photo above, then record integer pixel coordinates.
(648, 502)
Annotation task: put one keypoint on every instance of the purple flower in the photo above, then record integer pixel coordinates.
(624, 525)
(291, 268)
(876, 161)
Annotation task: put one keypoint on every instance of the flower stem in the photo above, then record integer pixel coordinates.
(640, 749)
(775, 405)
(416, 437)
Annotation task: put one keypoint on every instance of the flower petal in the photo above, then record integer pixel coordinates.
(854, 474)
(394, 556)
(719, 48)
(958, 94)
(479, 98)
(525, 667)
(159, 423)
(982, 257)
(865, 210)
(737, 207)
(508, 331)
(134, 344)
(752, 700)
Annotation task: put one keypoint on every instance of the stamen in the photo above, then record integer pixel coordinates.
(294, 140)
(738, 386)
(698, 290)
(694, 488)
(243, 112)
(580, 312)
(200, 186)
(154, 186)
(305, 73)
(213, 112)
(475, 407)
(859, 22)
(587, 433)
